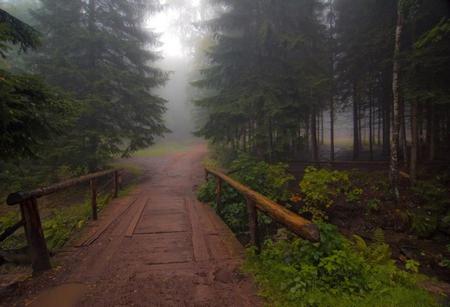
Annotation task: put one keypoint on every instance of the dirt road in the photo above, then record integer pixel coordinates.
(156, 247)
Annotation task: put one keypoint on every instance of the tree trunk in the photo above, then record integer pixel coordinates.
(314, 145)
(331, 128)
(414, 142)
(394, 171)
(404, 143)
(370, 126)
(431, 133)
(355, 123)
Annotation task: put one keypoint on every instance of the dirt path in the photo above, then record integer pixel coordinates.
(155, 247)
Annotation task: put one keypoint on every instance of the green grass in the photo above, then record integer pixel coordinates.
(162, 149)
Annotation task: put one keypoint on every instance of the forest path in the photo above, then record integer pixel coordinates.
(156, 247)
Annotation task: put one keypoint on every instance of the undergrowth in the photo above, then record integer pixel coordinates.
(335, 272)
(58, 227)
(271, 180)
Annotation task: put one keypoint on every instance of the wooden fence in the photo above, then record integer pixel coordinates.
(256, 201)
(40, 259)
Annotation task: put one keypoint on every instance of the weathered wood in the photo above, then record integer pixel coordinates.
(253, 223)
(287, 218)
(94, 198)
(116, 184)
(40, 259)
(219, 194)
(18, 197)
(10, 230)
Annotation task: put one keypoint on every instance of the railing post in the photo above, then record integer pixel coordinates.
(40, 259)
(116, 184)
(206, 174)
(253, 223)
(219, 194)
(94, 198)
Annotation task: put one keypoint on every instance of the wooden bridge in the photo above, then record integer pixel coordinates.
(158, 245)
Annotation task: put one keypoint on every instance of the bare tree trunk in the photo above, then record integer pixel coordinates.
(371, 126)
(314, 145)
(331, 128)
(403, 142)
(414, 141)
(431, 133)
(394, 171)
(355, 123)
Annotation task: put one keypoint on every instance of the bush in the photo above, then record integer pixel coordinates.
(321, 188)
(335, 272)
(271, 180)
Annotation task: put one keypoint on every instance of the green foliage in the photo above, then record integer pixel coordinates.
(270, 180)
(58, 227)
(373, 204)
(412, 265)
(6, 221)
(15, 32)
(322, 187)
(432, 209)
(335, 272)
(266, 73)
(97, 51)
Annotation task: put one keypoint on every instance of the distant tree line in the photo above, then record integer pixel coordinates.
(278, 67)
(84, 95)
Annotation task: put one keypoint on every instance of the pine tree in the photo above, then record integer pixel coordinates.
(99, 52)
(30, 112)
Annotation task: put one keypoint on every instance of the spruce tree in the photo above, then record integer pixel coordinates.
(99, 52)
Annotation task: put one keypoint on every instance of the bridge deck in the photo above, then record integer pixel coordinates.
(156, 247)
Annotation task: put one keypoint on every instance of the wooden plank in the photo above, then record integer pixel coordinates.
(287, 218)
(40, 258)
(136, 218)
(98, 232)
(198, 236)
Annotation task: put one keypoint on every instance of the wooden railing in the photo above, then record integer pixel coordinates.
(40, 259)
(256, 201)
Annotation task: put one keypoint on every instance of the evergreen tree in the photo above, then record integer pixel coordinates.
(30, 112)
(99, 52)
(267, 69)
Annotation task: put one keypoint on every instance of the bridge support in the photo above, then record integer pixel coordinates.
(40, 258)
(253, 224)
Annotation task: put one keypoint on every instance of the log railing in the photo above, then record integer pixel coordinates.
(40, 259)
(256, 201)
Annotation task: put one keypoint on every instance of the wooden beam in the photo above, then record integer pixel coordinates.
(253, 223)
(94, 198)
(19, 197)
(287, 218)
(10, 230)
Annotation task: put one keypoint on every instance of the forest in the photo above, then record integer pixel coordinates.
(337, 110)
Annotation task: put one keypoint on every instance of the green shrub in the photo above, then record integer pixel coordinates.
(321, 188)
(335, 272)
(270, 180)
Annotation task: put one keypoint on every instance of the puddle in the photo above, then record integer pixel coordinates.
(66, 295)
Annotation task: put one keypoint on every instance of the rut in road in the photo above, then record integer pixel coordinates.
(156, 247)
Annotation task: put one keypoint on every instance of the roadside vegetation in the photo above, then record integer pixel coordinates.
(358, 261)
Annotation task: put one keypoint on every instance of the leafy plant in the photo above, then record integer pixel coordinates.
(334, 272)
(322, 187)
(412, 265)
